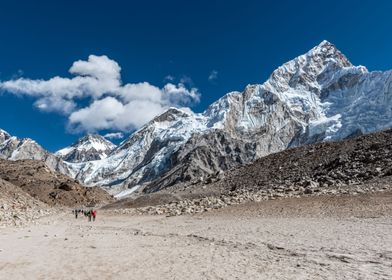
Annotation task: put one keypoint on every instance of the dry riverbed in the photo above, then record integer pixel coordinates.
(298, 238)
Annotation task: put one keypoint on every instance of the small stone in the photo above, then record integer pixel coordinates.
(308, 191)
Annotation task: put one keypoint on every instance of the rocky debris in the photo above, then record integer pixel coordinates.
(205, 204)
(50, 187)
(143, 201)
(17, 208)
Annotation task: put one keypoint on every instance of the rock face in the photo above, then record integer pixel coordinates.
(14, 148)
(88, 148)
(318, 96)
(202, 156)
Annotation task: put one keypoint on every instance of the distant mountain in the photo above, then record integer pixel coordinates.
(14, 148)
(88, 148)
(318, 96)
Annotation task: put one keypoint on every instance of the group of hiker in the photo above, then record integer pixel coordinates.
(91, 214)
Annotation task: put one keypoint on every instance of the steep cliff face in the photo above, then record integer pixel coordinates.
(204, 155)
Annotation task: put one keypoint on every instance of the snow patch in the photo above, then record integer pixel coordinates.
(126, 192)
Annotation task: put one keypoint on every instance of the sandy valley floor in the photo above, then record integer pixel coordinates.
(307, 238)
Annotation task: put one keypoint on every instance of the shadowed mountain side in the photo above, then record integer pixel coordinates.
(326, 165)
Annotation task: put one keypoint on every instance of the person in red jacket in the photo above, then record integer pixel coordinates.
(94, 214)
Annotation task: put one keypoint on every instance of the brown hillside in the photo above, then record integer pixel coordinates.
(53, 188)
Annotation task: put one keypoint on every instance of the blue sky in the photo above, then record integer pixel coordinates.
(184, 43)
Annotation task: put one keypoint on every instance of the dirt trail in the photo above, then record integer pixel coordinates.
(244, 242)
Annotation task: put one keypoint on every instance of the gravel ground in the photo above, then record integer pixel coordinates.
(326, 237)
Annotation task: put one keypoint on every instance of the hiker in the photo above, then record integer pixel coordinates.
(94, 213)
(76, 213)
(89, 215)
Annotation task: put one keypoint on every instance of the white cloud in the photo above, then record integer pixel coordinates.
(100, 67)
(95, 77)
(110, 104)
(55, 104)
(114, 135)
(213, 76)
(169, 78)
(99, 115)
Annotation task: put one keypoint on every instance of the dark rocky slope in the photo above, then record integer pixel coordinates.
(350, 167)
(326, 165)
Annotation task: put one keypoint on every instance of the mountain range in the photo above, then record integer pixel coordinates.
(318, 96)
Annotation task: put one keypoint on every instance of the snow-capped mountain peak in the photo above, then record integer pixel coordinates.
(305, 71)
(87, 148)
(317, 96)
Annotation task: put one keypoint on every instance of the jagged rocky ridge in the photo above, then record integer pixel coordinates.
(14, 148)
(316, 97)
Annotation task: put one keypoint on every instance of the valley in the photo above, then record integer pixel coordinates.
(310, 238)
(288, 177)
